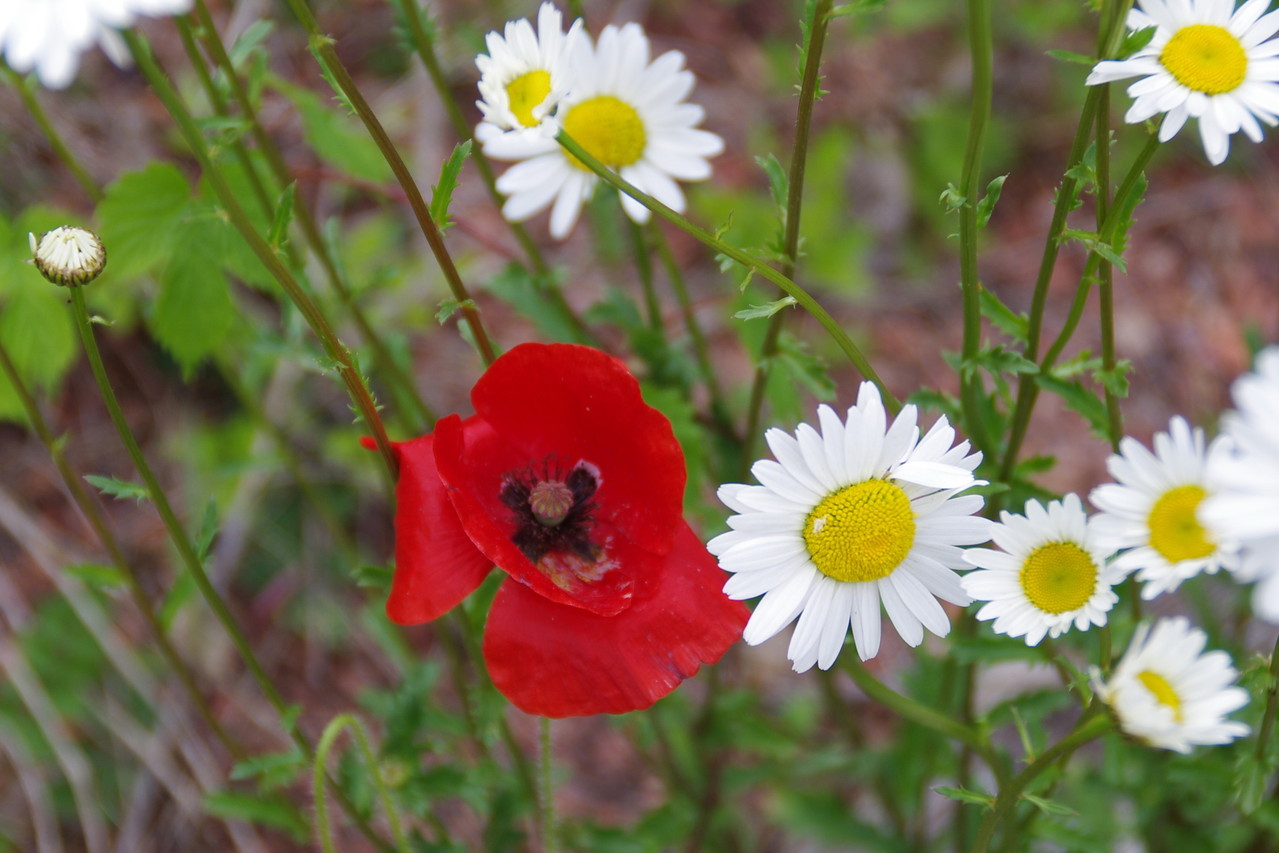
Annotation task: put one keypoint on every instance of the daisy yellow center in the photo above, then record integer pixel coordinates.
(1206, 58)
(1174, 531)
(1058, 577)
(861, 532)
(1162, 691)
(526, 92)
(609, 129)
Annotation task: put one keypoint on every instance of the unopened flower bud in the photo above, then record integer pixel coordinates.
(68, 256)
(550, 501)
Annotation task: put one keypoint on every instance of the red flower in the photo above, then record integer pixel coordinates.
(566, 480)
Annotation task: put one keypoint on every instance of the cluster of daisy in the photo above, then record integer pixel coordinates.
(626, 111)
(863, 514)
(1206, 60)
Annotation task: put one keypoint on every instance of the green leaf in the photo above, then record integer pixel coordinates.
(102, 577)
(964, 795)
(208, 529)
(1252, 778)
(857, 7)
(1048, 807)
(194, 311)
(1080, 399)
(283, 216)
(778, 180)
(986, 206)
(1014, 325)
(340, 141)
(449, 307)
(1076, 58)
(442, 193)
(264, 809)
(118, 489)
(1135, 41)
(1095, 244)
(756, 312)
(141, 217)
(273, 770)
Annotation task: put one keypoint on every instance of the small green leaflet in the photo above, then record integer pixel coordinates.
(118, 489)
(965, 796)
(442, 193)
(756, 312)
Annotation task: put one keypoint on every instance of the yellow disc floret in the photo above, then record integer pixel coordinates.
(861, 532)
(1058, 577)
(1206, 58)
(1162, 691)
(526, 92)
(1174, 531)
(609, 129)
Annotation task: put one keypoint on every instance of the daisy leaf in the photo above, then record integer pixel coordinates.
(964, 795)
(442, 193)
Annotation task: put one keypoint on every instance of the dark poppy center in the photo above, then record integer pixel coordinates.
(553, 510)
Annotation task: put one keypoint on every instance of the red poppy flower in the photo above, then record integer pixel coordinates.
(566, 480)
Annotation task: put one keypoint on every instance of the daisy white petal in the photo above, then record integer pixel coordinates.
(1169, 694)
(1150, 513)
(1051, 574)
(843, 527)
(1205, 60)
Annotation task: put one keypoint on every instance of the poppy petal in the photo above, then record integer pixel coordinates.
(580, 404)
(473, 462)
(557, 661)
(436, 564)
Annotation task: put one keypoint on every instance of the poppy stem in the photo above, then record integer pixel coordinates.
(546, 789)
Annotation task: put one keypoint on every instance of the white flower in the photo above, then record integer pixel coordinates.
(48, 36)
(858, 513)
(1051, 573)
(1208, 61)
(68, 256)
(628, 113)
(525, 74)
(1167, 693)
(1244, 511)
(1151, 510)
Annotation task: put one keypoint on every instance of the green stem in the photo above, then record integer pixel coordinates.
(1105, 271)
(810, 80)
(1272, 703)
(701, 348)
(920, 714)
(319, 781)
(980, 47)
(408, 396)
(97, 520)
(1109, 40)
(644, 268)
(754, 264)
(546, 788)
(322, 46)
(333, 347)
(1088, 728)
(26, 91)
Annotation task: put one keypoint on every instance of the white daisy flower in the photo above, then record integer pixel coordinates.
(630, 114)
(48, 36)
(1050, 574)
(1244, 510)
(1208, 61)
(68, 256)
(1169, 694)
(858, 513)
(1151, 510)
(525, 74)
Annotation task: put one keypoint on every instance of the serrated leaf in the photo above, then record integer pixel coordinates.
(1049, 807)
(283, 216)
(1075, 58)
(449, 307)
(986, 206)
(194, 311)
(778, 180)
(263, 809)
(95, 575)
(141, 216)
(442, 193)
(1096, 245)
(1115, 380)
(118, 489)
(1080, 399)
(337, 138)
(993, 309)
(756, 312)
(964, 795)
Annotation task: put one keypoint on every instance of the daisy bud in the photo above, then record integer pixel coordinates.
(68, 256)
